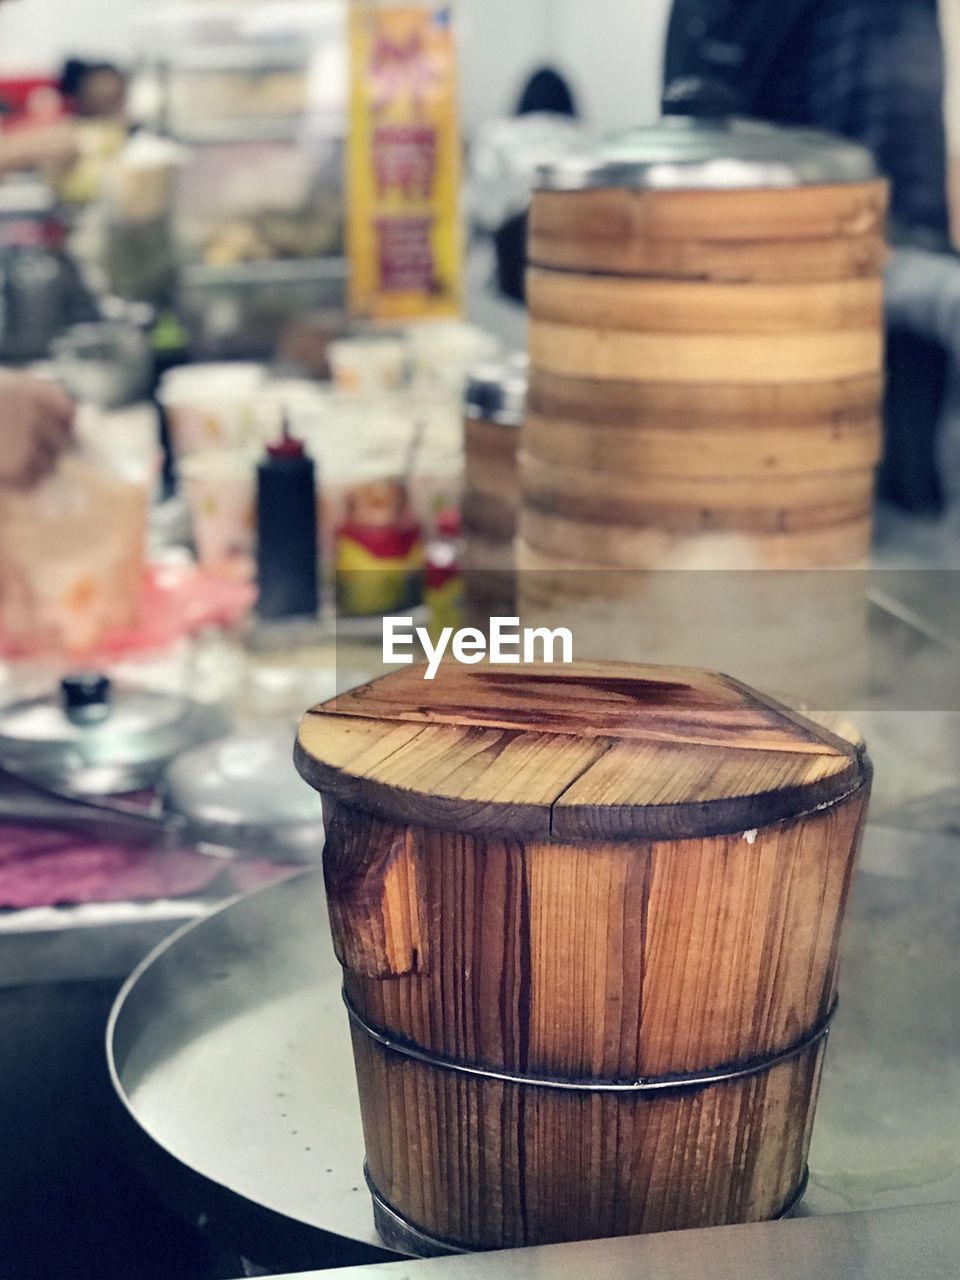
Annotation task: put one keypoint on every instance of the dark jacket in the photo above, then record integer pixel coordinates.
(872, 71)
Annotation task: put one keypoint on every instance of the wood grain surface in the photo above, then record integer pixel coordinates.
(606, 961)
(542, 1167)
(493, 748)
(679, 914)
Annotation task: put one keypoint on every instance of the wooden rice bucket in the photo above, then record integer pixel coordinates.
(588, 918)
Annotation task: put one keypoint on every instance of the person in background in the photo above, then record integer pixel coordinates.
(547, 93)
(503, 164)
(871, 71)
(95, 90)
(36, 420)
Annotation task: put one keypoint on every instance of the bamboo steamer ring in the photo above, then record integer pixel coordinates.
(698, 502)
(817, 211)
(617, 546)
(599, 353)
(631, 403)
(734, 453)
(592, 243)
(677, 306)
(573, 907)
(680, 201)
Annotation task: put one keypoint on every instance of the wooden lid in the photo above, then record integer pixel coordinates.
(579, 752)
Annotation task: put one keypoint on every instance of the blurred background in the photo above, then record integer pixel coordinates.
(267, 374)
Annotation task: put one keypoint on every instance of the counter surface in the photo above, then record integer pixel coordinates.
(921, 1243)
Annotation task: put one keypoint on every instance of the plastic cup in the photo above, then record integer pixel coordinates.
(221, 491)
(212, 406)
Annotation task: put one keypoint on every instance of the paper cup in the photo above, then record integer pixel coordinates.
(221, 491)
(212, 406)
(368, 366)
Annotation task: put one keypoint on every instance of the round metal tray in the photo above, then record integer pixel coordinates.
(229, 1049)
(230, 1052)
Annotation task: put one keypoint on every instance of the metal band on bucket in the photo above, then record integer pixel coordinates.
(398, 1233)
(647, 1084)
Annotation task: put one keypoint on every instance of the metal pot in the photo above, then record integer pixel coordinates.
(94, 739)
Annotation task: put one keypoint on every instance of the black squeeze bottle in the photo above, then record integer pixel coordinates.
(287, 532)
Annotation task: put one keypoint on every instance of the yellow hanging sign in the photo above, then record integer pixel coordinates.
(404, 235)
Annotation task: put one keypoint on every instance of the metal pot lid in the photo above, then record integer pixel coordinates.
(244, 780)
(695, 153)
(497, 392)
(92, 738)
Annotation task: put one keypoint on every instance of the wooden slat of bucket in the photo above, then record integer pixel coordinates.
(841, 210)
(625, 547)
(612, 989)
(830, 497)
(554, 1167)
(622, 403)
(681, 306)
(753, 1008)
(758, 261)
(731, 452)
(598, 353)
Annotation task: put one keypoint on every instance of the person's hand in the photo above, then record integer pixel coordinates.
(36, 420)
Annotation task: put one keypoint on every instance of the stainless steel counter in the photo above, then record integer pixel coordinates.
(94, 943)
(923, 1244)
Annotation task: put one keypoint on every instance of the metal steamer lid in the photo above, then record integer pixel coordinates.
(92, 738)
(242, 793)
(497, 392)
(697, 153)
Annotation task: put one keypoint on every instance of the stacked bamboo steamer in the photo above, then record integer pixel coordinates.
(494, 405)
(706, 348)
